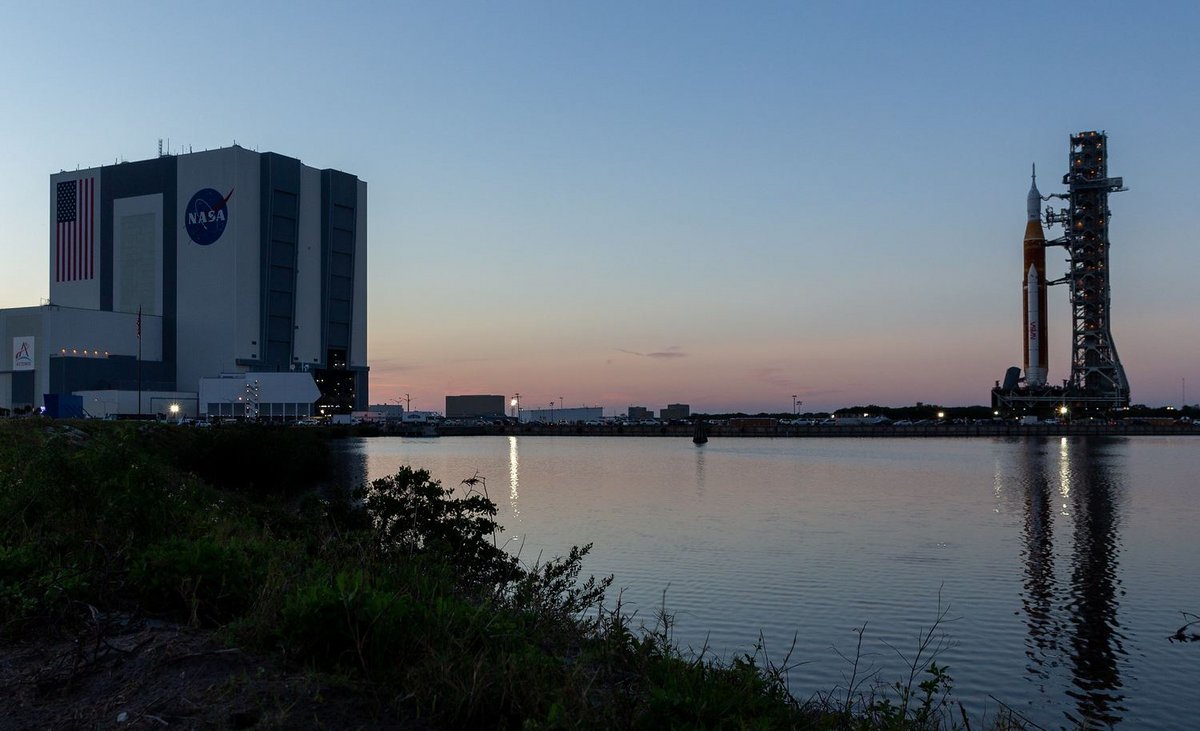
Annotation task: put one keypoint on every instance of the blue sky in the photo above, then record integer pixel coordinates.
(722, 204)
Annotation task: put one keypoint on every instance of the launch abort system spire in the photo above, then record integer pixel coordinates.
(1097, 381)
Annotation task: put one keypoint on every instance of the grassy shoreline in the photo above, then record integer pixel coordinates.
(395, 593)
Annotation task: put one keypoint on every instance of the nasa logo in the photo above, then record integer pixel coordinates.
(206, 215)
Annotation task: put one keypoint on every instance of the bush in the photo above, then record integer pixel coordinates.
(200, 579)
(415, 515)
(347, 622)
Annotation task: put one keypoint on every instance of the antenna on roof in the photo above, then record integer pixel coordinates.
(160, 147)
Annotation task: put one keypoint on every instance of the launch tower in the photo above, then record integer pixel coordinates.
(1097, 381)
(1096, 370)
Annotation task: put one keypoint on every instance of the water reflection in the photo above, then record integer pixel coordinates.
(1041, 645)
(1096, 636)
(351, 464)
(1074, 626)
(514, 477)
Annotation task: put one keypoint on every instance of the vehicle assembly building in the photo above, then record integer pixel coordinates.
(167, 271)
(1097, 383)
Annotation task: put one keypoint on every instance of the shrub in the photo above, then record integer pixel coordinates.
(414, 515)
(345, 621)
(203, 580)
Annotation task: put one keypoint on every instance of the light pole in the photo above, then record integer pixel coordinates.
(794, 404)
(407, 403)
(516, 402)
(551, 412)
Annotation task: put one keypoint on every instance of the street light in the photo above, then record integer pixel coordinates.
(794, 402)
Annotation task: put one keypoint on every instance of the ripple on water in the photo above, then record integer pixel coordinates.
(1064, 563)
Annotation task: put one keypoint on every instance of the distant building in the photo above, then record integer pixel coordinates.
(563, 416)
(474, 407)
(389, 411)
(675, 411)
(166, 271)
(420, 417)
(639, 413)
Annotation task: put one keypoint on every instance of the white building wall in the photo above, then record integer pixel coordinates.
(138, 254)
(307, 346)
(23, 322)
(58, 331)
(273, 388)
(218, 284)
(83, 293)
(116, 332)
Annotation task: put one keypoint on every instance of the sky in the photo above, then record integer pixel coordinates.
(642, 203)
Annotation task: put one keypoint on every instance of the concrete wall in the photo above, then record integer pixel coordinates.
(218, 284)
(83, 335)
(138, 254)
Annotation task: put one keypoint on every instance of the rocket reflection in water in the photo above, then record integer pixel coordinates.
(1038, 534)
(1073, 627)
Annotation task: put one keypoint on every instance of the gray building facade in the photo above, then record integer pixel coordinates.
(209, 263)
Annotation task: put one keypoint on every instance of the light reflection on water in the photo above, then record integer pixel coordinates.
(1066, 562)
(514, 477)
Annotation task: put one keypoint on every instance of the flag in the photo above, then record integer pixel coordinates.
(76, 241)
(139, 323)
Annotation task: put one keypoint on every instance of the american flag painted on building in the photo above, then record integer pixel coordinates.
(75, 253)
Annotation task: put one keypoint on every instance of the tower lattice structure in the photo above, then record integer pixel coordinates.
(1096, 372)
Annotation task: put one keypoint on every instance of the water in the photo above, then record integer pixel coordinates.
(1065, 563)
